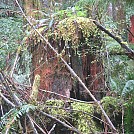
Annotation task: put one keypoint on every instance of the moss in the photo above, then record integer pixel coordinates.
(52, 104)
(79, 115)
(83, 116)
(70, 29)
(35, 88)
(111, 105)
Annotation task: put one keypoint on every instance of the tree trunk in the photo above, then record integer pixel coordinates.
(119, 16)
(131, 33)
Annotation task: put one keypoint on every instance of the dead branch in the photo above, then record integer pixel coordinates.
(15, 62)
(32, 125)
(63, 123)
(10, 89)
(37, 125)
(55, 107)
(15, 99)
(72, 99)
(6, 100)
(130, 53)
(52, 129)
(68, 67)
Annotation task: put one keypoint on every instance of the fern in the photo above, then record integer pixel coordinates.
(8, 120)
(128, 89)
(128, 94)
(128, 119)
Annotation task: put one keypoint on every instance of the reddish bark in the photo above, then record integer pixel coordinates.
(131, 38)
(54, 76)
(93, 74)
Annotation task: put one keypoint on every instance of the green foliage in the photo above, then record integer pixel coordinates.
(111, 105)
(83, 117)
(10, 36)
(3, 6)
(11, 117)
(120, 68)
(129, 112)
(128, 89)
(80, 114)
(70, 12)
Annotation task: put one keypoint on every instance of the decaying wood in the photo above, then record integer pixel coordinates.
(31, 121)
(69, 68)
(35, 88)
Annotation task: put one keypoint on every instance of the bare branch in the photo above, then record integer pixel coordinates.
(63, 123)
(15, 62)
(66, 97)
(6, 100)
(32, 124)
(8, 86)
(130, 53)
(52, 129)
(37, 125)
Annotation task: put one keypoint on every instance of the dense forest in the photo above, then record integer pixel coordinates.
(66, 67)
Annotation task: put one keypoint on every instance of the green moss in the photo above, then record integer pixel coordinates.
(83, 116)
(73, 28)
(56, 107)
(79, 113)
(111, 105)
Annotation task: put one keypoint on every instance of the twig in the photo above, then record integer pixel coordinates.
(68, 67)
(130, 32)
(55, 107)
(63, 123)
(14, 97)
(43, 124)
(6, 100)
(37, 126)
(130, 53)
(15, 62)
(32, 125)
(66, 97)
(2, 112)
(4, 81)
(52, 129)
(123, 120)
(7, 131)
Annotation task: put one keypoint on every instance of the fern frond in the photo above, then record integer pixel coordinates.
(128, 88)
(14, 114)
